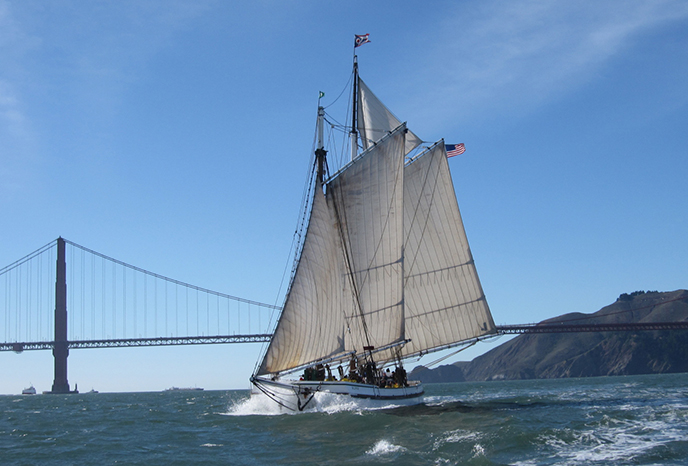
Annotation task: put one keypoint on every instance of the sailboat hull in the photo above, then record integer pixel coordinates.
(297, 395)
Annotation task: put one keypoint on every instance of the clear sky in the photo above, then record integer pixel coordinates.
(176, 136)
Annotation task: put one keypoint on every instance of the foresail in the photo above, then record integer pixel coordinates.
(444, 301)
(311, 324)
(375, 120)
(367, 201)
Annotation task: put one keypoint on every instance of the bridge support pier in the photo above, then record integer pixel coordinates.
(61, 347)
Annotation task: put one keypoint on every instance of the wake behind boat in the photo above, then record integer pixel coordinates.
(383, 273)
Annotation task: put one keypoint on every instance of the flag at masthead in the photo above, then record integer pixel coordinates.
(361, 39)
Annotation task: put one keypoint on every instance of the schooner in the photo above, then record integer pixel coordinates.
(384, 271)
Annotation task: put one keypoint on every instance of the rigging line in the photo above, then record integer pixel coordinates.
(437, 361)
(332, 144)
(346, 86)
(272, 396)
(298, 240)
(336, 126)
(171, 280)
(462, 343)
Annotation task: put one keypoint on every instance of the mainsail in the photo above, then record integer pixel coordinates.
(385, 263)
(367, 199)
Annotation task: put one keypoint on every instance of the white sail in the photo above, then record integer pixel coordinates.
(311, 324)
(385, 258)
(444, 302)
(367, 200)
(375, 120)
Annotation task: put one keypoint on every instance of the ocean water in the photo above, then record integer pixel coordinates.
(639, 420)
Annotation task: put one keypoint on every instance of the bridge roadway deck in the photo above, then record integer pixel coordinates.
(568, 328)
(18, 347)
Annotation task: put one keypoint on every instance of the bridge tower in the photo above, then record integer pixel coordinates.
(61, 348)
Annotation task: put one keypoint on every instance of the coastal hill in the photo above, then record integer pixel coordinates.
(557, 355)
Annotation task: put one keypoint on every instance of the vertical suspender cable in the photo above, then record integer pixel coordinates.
(135, 302)
(83, 294)
(145, 305)
(124, 302)
(114, 300)
(28, 300)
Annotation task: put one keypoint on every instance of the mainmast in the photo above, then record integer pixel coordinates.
(354, 116)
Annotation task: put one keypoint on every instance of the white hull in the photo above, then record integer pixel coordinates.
(298, 395)
(29, 391)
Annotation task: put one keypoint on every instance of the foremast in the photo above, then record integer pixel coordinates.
(320, 152)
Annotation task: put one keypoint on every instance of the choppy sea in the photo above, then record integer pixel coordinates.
(638, 420)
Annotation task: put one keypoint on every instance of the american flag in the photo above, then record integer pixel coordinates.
(361, 39)
(455, 149)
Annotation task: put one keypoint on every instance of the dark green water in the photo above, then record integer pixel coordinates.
(602, 421)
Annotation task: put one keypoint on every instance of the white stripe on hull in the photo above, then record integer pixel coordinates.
(297, 395)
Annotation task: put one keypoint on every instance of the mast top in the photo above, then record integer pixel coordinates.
(320, 152)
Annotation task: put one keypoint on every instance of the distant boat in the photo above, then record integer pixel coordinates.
(92, 391)
(29, 391)
(179, 389)
(383, 272)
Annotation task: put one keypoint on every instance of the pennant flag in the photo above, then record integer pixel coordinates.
(360, 40)
(455, 149)
(321, 94)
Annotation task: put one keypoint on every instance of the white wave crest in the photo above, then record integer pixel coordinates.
(384, 447)
(255, 405)
(615, 441)
(329, 403)
(456, 436)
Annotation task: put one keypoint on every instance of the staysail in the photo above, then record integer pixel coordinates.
(375, 120)
(385, 260)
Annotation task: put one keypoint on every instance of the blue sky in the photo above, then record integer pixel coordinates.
(176, 136)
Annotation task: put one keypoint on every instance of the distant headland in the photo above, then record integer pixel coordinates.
(547, 356)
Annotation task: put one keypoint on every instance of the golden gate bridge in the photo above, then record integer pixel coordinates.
(65, 296)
